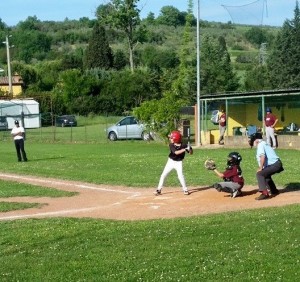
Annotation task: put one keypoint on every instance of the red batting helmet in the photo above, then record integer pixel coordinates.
(176, 136)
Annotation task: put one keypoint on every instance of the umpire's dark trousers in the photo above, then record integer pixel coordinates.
(264, 178)
(19, 143)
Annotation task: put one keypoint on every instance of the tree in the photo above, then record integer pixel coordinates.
(185, 84)
(169, 15)
(256, 35)
(257, 79)
(123, 15)
(216, 71)
(283, 62)
(3, 26)
(98, 52)
(31, 44)
(127, 90)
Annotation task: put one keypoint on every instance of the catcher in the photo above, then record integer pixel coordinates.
(233, 180)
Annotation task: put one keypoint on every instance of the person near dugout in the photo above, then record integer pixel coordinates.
(176, 156)
(233, 180)
(18, 134)
(269, 163)
(270, 122)
(222, 126)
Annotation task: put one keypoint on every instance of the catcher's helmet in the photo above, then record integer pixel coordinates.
(253, 137)
(234, 158)
(176, 136)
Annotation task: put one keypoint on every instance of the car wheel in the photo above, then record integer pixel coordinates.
(145, 136)
(112, 136)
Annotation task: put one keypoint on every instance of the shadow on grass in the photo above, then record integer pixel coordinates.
(291, 187)
(44, 159)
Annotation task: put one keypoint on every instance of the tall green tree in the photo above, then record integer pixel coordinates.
(123, 15)
(283, 62)
(98, 52)
(257, 79)
(216, 72)
(169, 15)
(185, 84)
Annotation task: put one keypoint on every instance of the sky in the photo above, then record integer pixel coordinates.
(268, 12)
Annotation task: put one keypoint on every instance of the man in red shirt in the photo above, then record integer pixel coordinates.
(270, 122)
(222, 126)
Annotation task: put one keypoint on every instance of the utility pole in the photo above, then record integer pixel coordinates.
(198, 78)
(6, 42)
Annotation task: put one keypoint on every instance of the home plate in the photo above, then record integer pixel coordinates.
(155, 207)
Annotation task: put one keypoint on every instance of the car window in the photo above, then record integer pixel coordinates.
(133, 120)
(124, 121)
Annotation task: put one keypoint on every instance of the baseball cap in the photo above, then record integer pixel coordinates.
(16, 122)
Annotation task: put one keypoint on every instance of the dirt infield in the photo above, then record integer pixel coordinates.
(125, 203)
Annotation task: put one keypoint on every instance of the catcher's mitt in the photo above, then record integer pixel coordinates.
(210, 164)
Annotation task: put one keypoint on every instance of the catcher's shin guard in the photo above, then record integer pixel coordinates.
(223, 189)
(218, 187)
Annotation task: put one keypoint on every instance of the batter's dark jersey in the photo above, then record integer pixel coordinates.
(174, 148)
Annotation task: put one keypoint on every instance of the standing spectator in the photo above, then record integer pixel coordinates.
(18, 133)
(270, 122)
(176, 156)
(268, 164)
(222, 126)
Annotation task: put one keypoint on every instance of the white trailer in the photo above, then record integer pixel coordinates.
(25, 110)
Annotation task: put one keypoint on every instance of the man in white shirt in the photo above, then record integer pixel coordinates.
(18, 134)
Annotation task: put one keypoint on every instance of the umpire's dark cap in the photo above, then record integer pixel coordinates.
(253, 137)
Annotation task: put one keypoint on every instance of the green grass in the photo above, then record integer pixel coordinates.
(256, 245)
(14, 189)
(132, 163)
(259, 245)
(11, 206)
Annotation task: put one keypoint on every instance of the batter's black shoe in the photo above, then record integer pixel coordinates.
(262, 197)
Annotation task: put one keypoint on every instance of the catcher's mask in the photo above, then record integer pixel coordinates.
(175, 136)
(234, 158)
(253, 137)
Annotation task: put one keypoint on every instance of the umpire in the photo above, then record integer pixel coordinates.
(18, 133)
(268, 164)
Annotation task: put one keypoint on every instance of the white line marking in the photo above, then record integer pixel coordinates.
(47, 213)
(82, 186)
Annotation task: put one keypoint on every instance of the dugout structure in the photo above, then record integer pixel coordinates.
(24, 110)
(245, 114)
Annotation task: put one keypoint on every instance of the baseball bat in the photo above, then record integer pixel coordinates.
(189, 140)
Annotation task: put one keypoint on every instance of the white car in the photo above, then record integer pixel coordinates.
(127, 128)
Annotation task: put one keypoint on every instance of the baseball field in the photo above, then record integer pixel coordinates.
(86, 212)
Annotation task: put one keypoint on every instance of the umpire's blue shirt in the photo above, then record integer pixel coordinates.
(264, 149)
